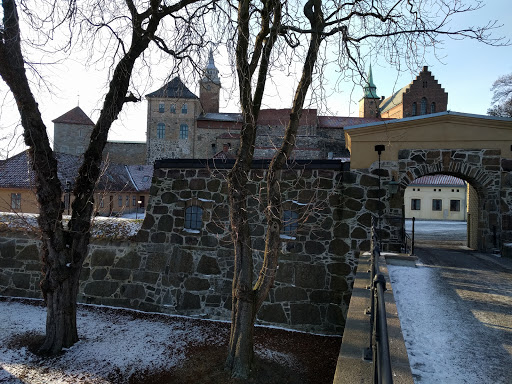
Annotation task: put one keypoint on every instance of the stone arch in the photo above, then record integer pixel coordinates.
(479, 167)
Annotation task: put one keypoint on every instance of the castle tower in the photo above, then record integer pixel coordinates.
(209, 87)
(72, 132)
(369, 104)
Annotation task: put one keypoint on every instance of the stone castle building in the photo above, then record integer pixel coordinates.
(182, 125)
(424, 95)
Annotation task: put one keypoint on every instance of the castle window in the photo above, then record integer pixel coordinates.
(173, 108)
(433, 108)
(160, 130)
(120, 200)
(16, 200)
(415, 204)
(184, 108)
(161, 107)
(184, 131)
(193, 217)
(437, 204)
(290, 222)
(423, 106)
(414, 109)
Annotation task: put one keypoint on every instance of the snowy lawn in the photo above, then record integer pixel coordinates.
(124, 346)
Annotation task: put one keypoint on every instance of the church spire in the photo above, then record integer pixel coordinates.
(370, 90)
(211, 73)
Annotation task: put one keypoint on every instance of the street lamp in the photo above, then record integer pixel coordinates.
(139, 202)
(67, 190)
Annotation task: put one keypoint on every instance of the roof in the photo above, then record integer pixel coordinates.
(16, 172)
(343, 121)
(439, 180)
(231, 117)
(370, 90)
(75, 116)
(393, 100)
(141, 176)
(174, 89)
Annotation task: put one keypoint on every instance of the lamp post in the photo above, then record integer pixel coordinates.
(139, 202)
(67, 190)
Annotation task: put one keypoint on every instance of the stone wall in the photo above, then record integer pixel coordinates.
(173, 270)
(127, 153)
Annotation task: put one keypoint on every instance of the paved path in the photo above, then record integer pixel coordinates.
(456, 314)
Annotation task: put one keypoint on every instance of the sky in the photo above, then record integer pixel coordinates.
(466, 69)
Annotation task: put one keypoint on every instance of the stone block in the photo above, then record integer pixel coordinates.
(208, 266)
(160, 210)
(102, 257)
(213, 300)
(21, 280)
(156, 262)
(145, 277)
(339, 283)
(314, 247)
(359, 233)
(209, 241)
(166, 223)
(99, 273)
(133, 291)
(158, 237)
(290, 294)
(181, 261)
(30, 252)
(178, 185)
(335, 315)
(8, 249)
(131, 260)
(10, 263)
(4, 280)
(304, 314)
(338, 247)
(213, 185)
(369, 181)
(197, 184)
(273, 313)
(120, 274)
(323, 296)
(197, 284)
(352, 204)
(169, 198)
(85, 273)
(189, 301)
(142, 236)
(101, 288)
(149, 221)
(285, 273)
(309, 276)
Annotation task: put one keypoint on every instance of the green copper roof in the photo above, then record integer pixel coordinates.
(370, 90)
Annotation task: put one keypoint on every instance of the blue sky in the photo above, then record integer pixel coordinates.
(466, 70)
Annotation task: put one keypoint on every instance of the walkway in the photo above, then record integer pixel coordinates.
(456, 314)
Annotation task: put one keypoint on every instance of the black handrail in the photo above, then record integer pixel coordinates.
(378, 351)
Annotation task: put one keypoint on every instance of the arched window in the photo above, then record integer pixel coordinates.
(414, 109)
(184, 108)
(160, 130)
(290, 222)
(433, 108)
(193, 217)
(184, 131)
(423, 106)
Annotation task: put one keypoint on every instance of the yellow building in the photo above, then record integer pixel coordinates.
(122, 189)
(436, 197)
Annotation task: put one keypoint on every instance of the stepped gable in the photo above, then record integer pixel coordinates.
(75, 116)
(174, 89)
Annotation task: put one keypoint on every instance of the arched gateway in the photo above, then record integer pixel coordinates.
(477, 149)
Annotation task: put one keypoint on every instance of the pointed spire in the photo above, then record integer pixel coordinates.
(370, 90)
(211, 73)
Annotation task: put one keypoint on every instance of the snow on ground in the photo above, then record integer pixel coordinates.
(442, 344)
(109, 342)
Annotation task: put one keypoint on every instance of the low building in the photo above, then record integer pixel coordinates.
(121, 189)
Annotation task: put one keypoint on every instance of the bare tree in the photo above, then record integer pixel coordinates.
(398, 31)
(132, 26)
(502, 98)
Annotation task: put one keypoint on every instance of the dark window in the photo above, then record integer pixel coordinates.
(455, 205)
(414, 109)
(184, 131)
(423, 106)
(193, 217)
(433, 108)
(184, 108)
(160, 130)
(415, 204)
(120, 200)
(173, 108)
(290, 222)
(437, 204)
(134, 201)
(127, 200)
(161, 107)
(16, 200)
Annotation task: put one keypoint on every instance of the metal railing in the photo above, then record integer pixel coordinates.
(378, 351)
